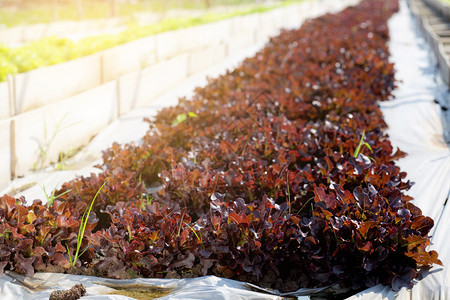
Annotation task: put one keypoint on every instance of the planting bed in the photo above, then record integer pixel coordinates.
(278, 173)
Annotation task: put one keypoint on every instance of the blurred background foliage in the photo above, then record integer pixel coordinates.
(50, 50)
(22, 12)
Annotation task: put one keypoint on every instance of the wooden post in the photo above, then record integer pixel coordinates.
(55, 10)
(80, 9)
(113, 4)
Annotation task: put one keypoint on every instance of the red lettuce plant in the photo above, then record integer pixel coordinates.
(266, 184)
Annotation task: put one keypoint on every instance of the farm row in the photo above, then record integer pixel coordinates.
(277, 173)
(39, 108)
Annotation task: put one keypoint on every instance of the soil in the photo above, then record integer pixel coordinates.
(74, 293)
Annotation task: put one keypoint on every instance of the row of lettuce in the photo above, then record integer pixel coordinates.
(53, 50)
(277, 173)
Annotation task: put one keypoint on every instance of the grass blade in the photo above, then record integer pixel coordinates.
(82, 228)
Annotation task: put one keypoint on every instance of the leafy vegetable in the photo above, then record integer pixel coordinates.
(262, 186)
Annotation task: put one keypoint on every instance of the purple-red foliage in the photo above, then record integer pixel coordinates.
(262, 181)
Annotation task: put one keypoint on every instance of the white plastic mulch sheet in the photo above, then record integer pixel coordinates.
(14, 286)
(415, 126)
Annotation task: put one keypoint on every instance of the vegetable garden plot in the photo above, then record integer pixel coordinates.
(277, 173)
(52, 50)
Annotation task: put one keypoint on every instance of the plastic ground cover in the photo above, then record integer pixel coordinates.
(415, 126)
(415, 101)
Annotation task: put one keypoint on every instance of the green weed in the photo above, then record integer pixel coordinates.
(183, 117)
(51, 197)
(82, 229)
(361, 143)
(199, 237)
(288, 192)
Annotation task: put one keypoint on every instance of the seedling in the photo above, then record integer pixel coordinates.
(147, 195)
(82, 229)
(64, 157)
(51, 198)
(199, 237)
(183, 117)
(288, 192)
(361, 143)
(181, 222)
(44, 147)
(149, 199)
(306, 203)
